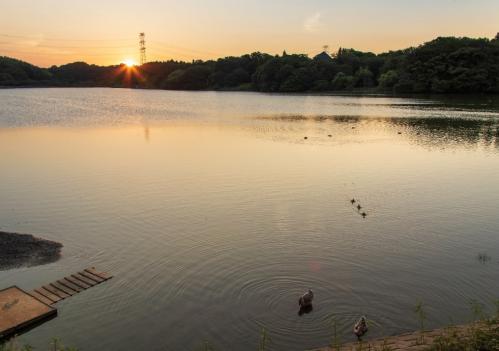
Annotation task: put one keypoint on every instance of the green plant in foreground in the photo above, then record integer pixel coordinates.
(477, 310)
(264, 340)
(336, 341)
(207, 346)
(55, 345)
(12, 345)
(484, 338)
(496, 303)
(421, 315)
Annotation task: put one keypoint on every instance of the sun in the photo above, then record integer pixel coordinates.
(129, 62)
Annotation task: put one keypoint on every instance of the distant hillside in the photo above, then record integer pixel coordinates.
(444, 65)
(18, 73)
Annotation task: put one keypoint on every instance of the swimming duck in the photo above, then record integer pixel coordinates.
(363, 214)
(352, 201)
(359, 207)
(305, 138)
(306, 299)
(360, 328)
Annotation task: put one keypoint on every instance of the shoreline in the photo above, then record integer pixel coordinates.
(439, 339)
(25, 250)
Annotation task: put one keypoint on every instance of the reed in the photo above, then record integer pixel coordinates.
(336, 339)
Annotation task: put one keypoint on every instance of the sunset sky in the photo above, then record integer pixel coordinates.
(47, 32)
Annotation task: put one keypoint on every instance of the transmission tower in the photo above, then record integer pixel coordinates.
(142, 46)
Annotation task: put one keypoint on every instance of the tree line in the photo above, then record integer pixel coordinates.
(443, 65)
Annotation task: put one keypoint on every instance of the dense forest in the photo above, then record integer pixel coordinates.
(444, 65)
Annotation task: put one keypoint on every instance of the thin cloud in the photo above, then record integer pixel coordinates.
(313, 23)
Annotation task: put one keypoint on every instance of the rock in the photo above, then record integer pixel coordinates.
(25, 250)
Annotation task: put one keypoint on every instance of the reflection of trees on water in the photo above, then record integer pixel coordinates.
(438, 132)
(450, 131)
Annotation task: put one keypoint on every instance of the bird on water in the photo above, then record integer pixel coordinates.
(352, 201)
(359, 207)
(306, 299)
(360, 328)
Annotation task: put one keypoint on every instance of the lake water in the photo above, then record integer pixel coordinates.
(214, 213)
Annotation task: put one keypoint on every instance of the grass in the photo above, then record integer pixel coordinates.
(421, 315)
(336, 341)
(483, 336)
(264, 340)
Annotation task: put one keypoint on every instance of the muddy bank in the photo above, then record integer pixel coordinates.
(25, 250)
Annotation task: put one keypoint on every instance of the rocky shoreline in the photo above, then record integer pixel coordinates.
(25, 250)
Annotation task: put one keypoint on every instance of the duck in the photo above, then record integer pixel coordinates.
(306, 299)
(359, 207)
(305, 138)
(363, 214)
(360, 328)
(352, 201)
(329, 135)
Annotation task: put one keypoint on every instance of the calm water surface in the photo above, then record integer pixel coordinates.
(214, 213)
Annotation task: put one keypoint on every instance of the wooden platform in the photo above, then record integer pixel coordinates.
(21, 310)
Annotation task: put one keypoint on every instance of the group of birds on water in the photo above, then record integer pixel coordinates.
(305, 302)
(359, 207)
(330, 136)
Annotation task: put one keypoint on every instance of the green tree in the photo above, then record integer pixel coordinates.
(342, 82)
(388, 79)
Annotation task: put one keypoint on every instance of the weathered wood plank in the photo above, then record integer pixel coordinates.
(21, 311)
(78, 282)
(103, 275)
(84, 279)
(56, 291)
(48, 295)
(70, 285)
(95, 278)
(40, 297)
(61, 287)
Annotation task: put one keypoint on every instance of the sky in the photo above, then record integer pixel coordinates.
(54, 32)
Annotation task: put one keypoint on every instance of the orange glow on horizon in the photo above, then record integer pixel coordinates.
(129, 63)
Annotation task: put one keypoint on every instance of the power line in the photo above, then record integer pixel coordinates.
(166, 45)
(53, 44)
(38, 53)
(57, 39)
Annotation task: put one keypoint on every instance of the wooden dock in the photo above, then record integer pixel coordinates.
(21, 310)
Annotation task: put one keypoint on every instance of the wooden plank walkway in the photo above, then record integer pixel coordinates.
(68, 286)
(21, 310)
